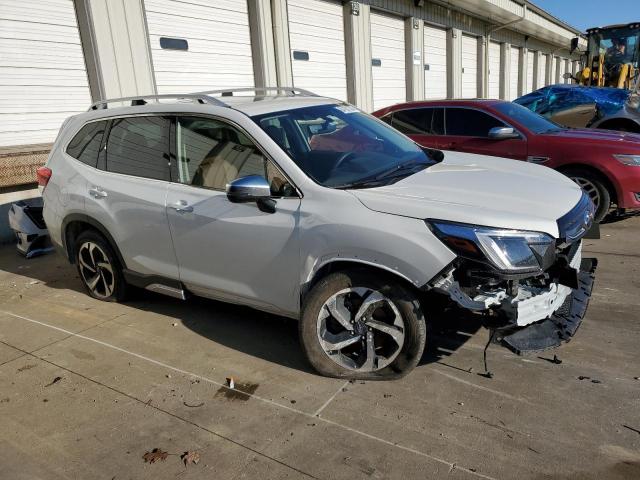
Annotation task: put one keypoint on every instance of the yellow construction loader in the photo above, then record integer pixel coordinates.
(612, 56)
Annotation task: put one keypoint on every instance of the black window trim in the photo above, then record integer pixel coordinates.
(173, 155)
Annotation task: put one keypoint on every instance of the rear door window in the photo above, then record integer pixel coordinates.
(139, 146)
(467, 122)
(85, 146)
(419, 121)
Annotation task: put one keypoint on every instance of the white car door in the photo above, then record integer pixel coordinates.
(231, 251)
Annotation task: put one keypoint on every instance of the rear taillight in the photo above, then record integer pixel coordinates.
(43, 174)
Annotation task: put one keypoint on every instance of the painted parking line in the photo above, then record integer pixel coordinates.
(451, 465)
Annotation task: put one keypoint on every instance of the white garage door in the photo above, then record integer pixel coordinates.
(529, 84)
(566, 69)
(218, 53)
(469, 67)
(555, 72)
(316, 34)
(514, 73)
(435, 62)
(388, 60)
(494, 70)
(542, 71)
(43, 78)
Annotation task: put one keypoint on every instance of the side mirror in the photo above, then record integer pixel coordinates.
(503, 133)
(574, 44)
(252, 188)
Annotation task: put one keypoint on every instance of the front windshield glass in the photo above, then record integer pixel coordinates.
(339, 146)
(528, 119)
(618, 45)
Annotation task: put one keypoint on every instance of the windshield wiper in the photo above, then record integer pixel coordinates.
(385, 176)
(401, 168)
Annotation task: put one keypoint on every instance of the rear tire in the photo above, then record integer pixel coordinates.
(99, 268)
(358, 326)
(595, 188)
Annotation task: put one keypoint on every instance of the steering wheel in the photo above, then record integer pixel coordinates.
(342, 159)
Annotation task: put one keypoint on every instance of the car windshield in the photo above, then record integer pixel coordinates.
(339, 146)
(528, 119)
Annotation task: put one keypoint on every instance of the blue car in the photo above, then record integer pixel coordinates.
(578, 106)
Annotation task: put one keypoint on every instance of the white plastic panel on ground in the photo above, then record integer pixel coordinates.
(316, 35)
(435, 62)
(514, 73)
(469, 67)
(542, 71)
(494, 70)
(219, 45)
(43, 78)
(530, 63)
(388, 60)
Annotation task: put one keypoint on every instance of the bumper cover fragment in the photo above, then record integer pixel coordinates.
(559, 327)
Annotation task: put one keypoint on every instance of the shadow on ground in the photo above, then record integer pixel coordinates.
(262, 335)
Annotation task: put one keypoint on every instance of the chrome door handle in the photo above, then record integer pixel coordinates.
(97, 192)
(181, 206)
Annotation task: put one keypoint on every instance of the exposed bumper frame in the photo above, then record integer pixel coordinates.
(560, 327)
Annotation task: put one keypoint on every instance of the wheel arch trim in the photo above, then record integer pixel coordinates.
(84, 218)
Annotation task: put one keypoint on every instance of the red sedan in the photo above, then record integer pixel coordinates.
(604, 163)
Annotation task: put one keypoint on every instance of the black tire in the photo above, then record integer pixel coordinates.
(406, 303)
(596, 188)
(105, 266)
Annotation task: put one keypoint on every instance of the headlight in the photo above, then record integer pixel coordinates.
(512, 251)
(632, 160)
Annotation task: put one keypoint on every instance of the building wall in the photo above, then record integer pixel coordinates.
(119, 57)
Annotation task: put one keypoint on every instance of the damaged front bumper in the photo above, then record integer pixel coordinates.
(561, 325)
(534, 316)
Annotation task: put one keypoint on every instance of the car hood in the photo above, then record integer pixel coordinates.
(481, 190)
(593, 135)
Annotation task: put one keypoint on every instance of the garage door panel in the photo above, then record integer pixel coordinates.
(435, 56)
(470, 67)
(219, 53)
(387, 46)
(542, 75)
(43, 77)
(316, 27)
(530, 64)
(514, 73)
(494, 70)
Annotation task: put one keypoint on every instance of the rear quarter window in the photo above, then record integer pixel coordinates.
(85, 146)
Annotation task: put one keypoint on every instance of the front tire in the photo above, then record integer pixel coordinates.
(595, 188)
(358, 326)
(99, 268)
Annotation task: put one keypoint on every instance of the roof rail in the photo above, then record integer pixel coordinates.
(142, 100)
(228, 92)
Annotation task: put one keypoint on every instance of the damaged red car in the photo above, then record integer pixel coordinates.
(606, 164)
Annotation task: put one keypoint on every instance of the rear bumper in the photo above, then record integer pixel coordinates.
(560, 327)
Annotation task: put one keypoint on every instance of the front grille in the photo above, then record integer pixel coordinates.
(577, 222)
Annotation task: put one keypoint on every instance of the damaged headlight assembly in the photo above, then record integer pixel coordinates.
(508, 251)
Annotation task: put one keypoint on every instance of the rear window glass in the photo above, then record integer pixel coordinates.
(139, 146)
(85, 146)
(419, 121)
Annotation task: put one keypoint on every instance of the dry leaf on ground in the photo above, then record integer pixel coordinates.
(155, 455)
(190, 457)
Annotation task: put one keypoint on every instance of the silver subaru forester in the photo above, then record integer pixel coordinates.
(307, 207)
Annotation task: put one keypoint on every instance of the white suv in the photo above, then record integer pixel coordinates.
(307, 207)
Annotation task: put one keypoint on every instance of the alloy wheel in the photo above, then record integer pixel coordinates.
(360, 329)
(96, 270)
(589, 187)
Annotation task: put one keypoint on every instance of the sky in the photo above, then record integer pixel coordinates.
(585, 14)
